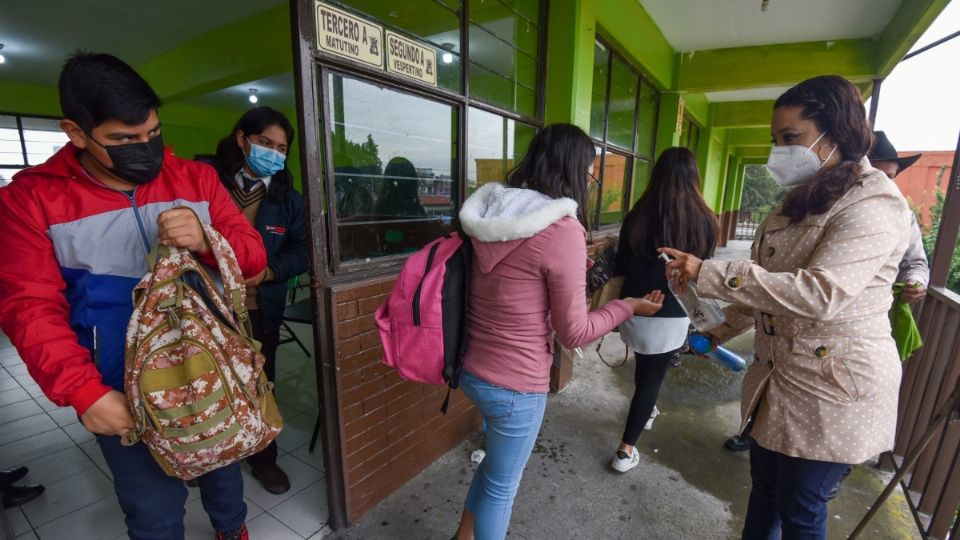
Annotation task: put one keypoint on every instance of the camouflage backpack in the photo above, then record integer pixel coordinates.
(194, 376)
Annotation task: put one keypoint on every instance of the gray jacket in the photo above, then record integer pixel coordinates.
(914, 265)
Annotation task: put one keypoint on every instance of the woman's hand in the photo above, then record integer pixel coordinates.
(648, 305)
(683, 269)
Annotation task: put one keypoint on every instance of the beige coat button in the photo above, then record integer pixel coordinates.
(735, 282)
(821, 352)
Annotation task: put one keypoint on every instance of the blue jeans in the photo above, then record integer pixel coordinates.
(511, 424)
(153, 502)
(789, 495)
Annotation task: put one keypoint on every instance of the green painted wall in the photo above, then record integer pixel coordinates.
(570, 38)
(632, 32)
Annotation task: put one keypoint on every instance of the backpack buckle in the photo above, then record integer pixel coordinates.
(264, 388)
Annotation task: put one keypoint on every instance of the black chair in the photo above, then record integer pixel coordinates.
(297, 312)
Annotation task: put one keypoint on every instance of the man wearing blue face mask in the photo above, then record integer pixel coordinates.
(251, 162)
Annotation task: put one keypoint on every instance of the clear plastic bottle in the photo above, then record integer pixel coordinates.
(704, 313)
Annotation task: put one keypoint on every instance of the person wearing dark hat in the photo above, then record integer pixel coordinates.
(914, 270)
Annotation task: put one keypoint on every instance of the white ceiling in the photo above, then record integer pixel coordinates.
(722, 24)
(37, 36)
(277, 92)
(750, 94)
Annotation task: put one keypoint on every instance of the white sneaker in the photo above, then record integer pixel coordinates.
(623, 462)
(649, 425)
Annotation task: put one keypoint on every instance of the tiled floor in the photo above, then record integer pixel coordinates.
(79, 503)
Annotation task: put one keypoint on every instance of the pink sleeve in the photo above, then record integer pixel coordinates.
(564, 265)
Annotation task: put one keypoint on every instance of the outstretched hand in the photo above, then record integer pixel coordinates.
(648, 305)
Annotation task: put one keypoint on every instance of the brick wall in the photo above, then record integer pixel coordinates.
(390, 429)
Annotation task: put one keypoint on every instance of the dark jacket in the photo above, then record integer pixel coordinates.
(283, 228)
(281, 223)
(647, 273)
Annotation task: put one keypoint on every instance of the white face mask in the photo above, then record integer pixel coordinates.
(793, 165)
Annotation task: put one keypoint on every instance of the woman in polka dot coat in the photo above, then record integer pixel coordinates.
(823, 387)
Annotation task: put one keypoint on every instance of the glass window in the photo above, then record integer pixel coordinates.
(432, 22)
(598, 101)
(6, 175)
(40, 137)
(647, 120)
(690, 134)
(495, 144)
(395, 168)
(623, 122)
(504, 53)
(43, 138)
(623, 105)
(11, 152)
(615, 174)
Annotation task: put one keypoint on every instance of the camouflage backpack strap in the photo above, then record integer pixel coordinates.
(231, 275)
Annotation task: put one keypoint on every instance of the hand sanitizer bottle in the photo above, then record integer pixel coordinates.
(704, 313)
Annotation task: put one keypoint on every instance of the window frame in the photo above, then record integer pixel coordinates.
(632, 154)
(324, 63)
(23, 142)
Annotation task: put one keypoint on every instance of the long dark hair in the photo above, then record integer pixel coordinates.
(230, 157)
(672, 212)
(833, 104)
(556, 164)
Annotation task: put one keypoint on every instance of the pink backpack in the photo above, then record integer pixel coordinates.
(423, 325)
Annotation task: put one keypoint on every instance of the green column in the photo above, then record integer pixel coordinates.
(667, 133)
(570, 36)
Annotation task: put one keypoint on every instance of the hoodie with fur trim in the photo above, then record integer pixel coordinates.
(529, 283)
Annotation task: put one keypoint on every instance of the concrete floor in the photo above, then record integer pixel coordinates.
(687, 485)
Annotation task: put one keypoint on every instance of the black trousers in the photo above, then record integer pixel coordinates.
(268, 346)
(648, 377)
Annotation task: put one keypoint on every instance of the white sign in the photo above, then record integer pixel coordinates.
(349, 36)
(410, 59)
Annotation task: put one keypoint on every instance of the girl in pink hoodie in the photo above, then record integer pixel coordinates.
(528, 286)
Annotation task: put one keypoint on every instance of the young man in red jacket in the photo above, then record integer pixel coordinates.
(76, 233)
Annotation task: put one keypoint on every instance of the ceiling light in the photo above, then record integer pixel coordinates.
(447, 56)
(253, 96)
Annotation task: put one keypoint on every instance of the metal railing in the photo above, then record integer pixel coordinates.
(930, 377)
(748, 221)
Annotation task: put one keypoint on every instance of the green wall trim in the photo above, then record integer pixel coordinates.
(634, 34)
(742, 113)
(773, 65)
(25, 98)
(712, 157)
(253, 48)
(697, 106)
(749, 136)
(905, 28)
(748, 153)
(570, 38)
(667, 133)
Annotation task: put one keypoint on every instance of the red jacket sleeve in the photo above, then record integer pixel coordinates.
(229, 221)
(34, 312)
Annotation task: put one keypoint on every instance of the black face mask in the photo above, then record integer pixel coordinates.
(137, 163)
